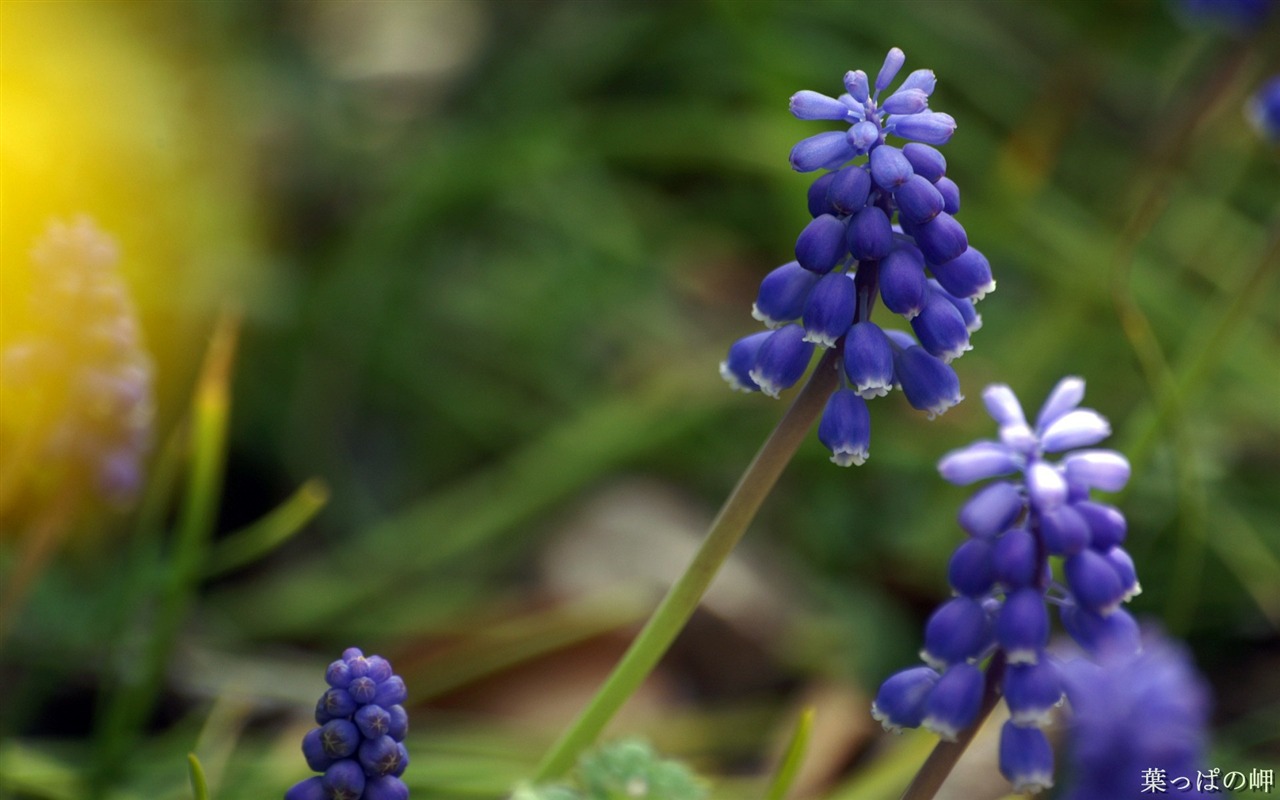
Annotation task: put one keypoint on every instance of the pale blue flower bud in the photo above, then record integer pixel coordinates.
(941, 239)
(386, 787)
(906, 101)
(1022, 626)
(902, 282)
(929, 127)
(809, 105)
(927, 161)
(1107, 526)
(976, 462)
(991, 510)
(848, 190)
(868, 360)
(1122, 563)
(1026, 759)
(344, 780)
(1093, 582)
(855, 82)
(918, 201)
(1115, 633)
(310, 789)
(829, 310)
(1064, 530)
(928, 384)
(889, 167)
(1045, 486)
(782, 360)
(940, 328)
(827, 149)
(970, 571)
(870, 236)
(966, 275)
(1032, 691)
(821, 245)
(892, 63)
(1003, 406)
(845, 428)
(950, 195)
(922, 79)
(900, 702)
(954, 703)
(783, 294)
(862, 136)
(736, 368)
(1079, 428)
(957, 631)
(1015, 558)
(1066, 395)
(1097, 469)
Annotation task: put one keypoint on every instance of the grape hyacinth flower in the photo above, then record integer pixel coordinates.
(82, 366)
(359, 744)
(1264, 110)
(1137, 720)
(1004, 585)
(883, 227)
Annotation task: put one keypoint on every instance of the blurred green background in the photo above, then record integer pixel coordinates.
(487, 256)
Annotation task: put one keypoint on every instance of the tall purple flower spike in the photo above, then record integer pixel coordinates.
(883, 226)
(1039, 508)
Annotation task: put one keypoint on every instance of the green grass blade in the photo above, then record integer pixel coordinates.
(792, 758)
(254, 541)
(199, 787)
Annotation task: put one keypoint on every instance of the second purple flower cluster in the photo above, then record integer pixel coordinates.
(359, 746)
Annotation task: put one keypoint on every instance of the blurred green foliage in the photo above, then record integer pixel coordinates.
(505, 245)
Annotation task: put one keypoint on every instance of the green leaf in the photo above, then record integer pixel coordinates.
(198, 786)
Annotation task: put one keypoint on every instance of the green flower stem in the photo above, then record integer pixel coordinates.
(684, 595)
(943, 759)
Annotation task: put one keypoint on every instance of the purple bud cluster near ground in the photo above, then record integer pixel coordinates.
(359, 744)
(883, 228)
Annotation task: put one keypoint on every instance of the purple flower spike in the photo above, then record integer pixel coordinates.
(881, 215)
(360, 751)
(1134, 714)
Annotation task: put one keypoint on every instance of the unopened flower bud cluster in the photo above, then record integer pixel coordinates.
(359, 744)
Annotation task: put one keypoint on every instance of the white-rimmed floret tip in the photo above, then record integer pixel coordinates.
(1026, 759)
(845, 428)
